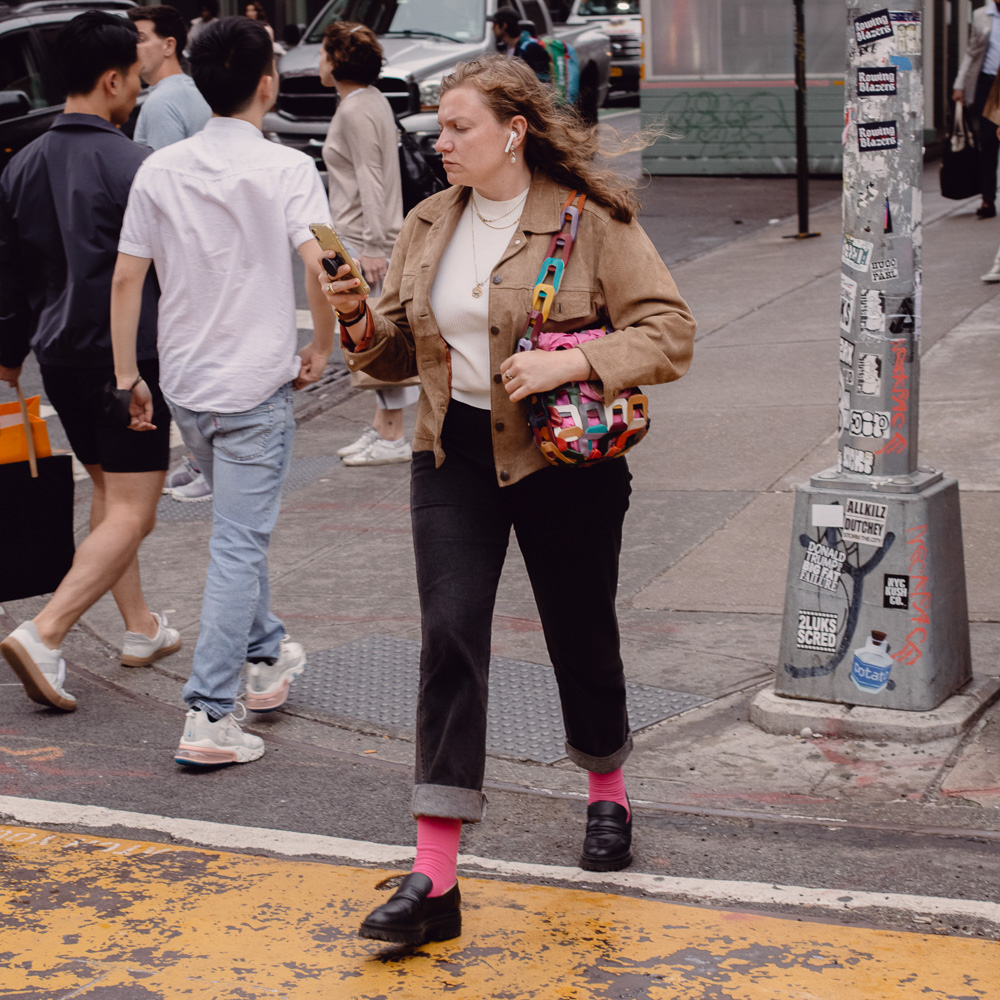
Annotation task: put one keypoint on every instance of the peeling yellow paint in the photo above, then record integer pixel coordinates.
(87, 915)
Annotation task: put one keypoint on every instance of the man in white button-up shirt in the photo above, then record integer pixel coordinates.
(973, 82)
(216, 213)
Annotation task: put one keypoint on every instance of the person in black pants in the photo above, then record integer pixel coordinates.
(459, 287)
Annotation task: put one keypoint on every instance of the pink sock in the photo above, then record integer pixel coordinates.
(437, 851)
(608, 787)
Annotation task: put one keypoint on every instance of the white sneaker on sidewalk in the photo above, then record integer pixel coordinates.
(207, 744)
(362, 442)
(139, 650)
(41, 670)
(992, 276)
(180, 476)
(382, 452)
(268, 683)
(192, 492)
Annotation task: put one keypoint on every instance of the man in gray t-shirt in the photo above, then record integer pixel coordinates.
(174, 108)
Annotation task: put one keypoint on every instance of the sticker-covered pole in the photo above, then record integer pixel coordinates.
(875, 602)
(880, 275)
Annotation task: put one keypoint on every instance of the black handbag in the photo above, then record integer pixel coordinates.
(36, 505)
(960, 165)
(421, 175)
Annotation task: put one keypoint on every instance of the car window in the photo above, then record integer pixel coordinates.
(534, 13)
(460, 20)
(19, 70)
(55, 89)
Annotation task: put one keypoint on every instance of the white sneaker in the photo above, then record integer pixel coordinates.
(41, 670)
(362, 442)
(267, 684)
(139, 650)
(209, 743)
(382, 452)
(192, 492)
(992, 276)
(180, 476)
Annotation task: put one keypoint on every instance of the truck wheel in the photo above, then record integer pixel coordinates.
(586, 102)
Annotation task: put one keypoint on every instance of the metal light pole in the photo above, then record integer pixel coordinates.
(801, 138)
(877, 540)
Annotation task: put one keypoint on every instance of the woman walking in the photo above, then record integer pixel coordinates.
(366, 202)
(457, 293)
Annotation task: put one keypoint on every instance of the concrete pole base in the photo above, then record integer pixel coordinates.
(790, 716)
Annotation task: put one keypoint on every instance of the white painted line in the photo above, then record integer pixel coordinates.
(713, 892)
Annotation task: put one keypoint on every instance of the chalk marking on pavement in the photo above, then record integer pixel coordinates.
(714, 892)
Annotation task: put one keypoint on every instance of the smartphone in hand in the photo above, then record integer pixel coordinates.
(328, 239)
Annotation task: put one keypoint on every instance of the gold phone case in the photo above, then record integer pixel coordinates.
(327, 238)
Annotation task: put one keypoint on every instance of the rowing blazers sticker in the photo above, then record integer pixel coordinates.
(869, 28)
(879, 82)
(877, 135)
(906, 25)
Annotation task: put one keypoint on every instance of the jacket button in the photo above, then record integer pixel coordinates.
(504, 476)
(497, 279)
(498, 379)
(499, 425)
(494, 330)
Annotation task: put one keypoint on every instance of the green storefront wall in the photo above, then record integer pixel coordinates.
(741, 127)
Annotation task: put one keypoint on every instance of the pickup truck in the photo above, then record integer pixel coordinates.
(621, 20)
(423, 41)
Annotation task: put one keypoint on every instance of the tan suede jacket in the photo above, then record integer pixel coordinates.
(615, 274)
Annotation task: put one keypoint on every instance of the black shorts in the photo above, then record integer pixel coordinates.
(78, 397)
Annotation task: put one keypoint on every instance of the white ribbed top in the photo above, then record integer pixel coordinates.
(463, 320)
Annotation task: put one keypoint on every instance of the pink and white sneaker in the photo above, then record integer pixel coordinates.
(268, 683)
(206, 743)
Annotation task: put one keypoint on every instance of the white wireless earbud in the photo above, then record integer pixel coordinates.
(510, 142)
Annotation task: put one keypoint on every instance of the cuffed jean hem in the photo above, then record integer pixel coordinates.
(213, 709)
(601, 765)
(448, 802)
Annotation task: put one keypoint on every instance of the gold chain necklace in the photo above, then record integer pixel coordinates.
(477, 290)
(489, 222)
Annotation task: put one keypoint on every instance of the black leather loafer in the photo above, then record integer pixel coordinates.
(987, 210)
(607, 846)
(410, 916)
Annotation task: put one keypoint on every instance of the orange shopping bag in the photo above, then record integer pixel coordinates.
(14, 440)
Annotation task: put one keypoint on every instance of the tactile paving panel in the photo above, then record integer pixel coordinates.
(302, 472)
(375, 680)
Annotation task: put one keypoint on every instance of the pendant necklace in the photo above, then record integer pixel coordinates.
(477, 289)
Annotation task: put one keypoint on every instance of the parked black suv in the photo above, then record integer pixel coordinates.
(31, 90)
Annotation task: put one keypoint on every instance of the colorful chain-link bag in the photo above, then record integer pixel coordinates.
(572, 424)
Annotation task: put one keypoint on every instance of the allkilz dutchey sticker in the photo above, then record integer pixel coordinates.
(816, 630)
(878, 82)
(864, 521)
(869, 28)
(896, 591)
(877, 135)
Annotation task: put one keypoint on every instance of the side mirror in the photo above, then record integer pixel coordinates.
(13, 104)
(292, 34)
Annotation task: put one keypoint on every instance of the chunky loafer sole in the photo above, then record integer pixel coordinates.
(589, 864)
(411, 917)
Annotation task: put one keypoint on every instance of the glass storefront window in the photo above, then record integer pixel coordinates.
(743, 38)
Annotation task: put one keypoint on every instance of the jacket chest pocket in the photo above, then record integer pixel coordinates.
(573, 309)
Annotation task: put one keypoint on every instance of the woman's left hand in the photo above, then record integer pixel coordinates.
(538, 371)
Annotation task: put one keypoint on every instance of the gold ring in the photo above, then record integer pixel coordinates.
(508, 376)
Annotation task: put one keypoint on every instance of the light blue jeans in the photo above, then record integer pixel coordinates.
(244, 457)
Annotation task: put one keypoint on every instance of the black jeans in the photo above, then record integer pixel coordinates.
(987, 144)
(568, 523)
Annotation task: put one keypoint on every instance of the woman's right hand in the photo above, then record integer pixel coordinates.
(342, 291)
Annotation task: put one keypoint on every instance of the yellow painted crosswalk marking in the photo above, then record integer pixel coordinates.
(89, 915)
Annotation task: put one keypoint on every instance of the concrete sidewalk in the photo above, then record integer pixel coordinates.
(705, 554)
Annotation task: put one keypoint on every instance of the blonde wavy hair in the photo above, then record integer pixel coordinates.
(559, 143)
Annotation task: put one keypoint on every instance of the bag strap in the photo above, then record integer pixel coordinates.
(551, 274)
(32, 457)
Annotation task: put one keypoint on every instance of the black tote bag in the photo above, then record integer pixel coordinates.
(960, 165)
